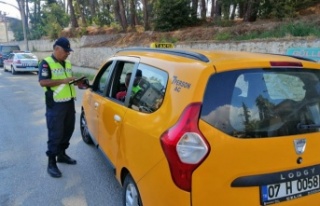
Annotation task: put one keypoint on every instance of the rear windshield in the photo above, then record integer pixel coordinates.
(26, 56)
(9, 49)
(263, 102)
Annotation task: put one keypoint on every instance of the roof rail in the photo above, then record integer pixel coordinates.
(182, 53)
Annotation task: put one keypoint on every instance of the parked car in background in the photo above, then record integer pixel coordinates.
(5, 50)
(208, 127)
(21, 62)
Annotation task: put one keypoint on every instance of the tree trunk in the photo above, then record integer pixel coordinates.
(213, 8)
(145, 15)
(194, 8)
(133, 15)
(233, 12)
(74, 22)
(79, 7)
(203, 10)
(92, 4)
(252, 11)
(217, 11)
(21, 4)
(122, 13)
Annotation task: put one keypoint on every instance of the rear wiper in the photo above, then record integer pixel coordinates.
(307, 126)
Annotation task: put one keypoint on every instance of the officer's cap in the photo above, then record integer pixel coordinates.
(64, 43)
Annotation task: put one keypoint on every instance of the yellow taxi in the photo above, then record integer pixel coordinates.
(195, 127)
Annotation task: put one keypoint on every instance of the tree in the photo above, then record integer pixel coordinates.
(203, 10)
(146, 14)
(122, 14)
(172, 15)
(21, 4)
(251, 13)
(36, 30)
(133, 14)
(74, 22)
(54, 19)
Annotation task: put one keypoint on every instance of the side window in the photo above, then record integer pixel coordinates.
(120, 80)
(147, 89)
(100, 83)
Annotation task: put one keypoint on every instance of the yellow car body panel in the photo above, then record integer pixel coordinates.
(131, 139)
(229, 160)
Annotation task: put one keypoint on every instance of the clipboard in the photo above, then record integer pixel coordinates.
(77, 80)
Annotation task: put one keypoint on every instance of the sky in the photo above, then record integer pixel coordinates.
(11, 11)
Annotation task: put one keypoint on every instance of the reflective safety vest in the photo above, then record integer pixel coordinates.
(135, 89)
(62, 92)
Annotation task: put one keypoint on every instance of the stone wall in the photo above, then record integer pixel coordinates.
(94, 57)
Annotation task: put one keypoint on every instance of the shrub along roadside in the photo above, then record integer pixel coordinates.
(299, 29)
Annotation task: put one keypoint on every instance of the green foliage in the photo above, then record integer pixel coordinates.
(103, 18)
(299, 29)
(223, 36)
(54, 20)
(116, 26)
(171, 15)
(16, 26)
(37, 29)
(168, 39)
(224, 23)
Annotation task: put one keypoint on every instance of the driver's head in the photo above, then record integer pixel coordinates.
(137, 78)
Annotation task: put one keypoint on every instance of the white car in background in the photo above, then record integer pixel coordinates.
(21, 62)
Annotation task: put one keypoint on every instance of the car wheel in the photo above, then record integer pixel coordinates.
(84, 129)
(131, 196)
(13, 71)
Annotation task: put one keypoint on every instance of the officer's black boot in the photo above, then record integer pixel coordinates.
(53, 170)
(64, 158)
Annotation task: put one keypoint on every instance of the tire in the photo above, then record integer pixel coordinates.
(13, 72)
(86, 137)
(130, 192)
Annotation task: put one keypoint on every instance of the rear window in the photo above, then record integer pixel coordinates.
(263, 103)
(26, 56)
(9, 49)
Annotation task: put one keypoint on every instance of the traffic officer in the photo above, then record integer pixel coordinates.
(55, 73)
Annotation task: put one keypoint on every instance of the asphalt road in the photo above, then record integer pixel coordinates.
(23, 163)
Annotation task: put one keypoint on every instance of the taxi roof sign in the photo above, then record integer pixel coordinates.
(161, 45)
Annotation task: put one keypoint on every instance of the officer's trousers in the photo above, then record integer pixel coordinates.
(60, 123)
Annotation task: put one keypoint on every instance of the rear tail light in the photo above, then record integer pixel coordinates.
(286, 64)
(185, 147)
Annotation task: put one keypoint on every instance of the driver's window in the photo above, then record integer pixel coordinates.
(101, 80)
(120, 80)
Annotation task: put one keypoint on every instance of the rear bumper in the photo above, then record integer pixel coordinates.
(26, 69)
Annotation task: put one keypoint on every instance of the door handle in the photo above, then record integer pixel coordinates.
(117, 118)
(96, 105)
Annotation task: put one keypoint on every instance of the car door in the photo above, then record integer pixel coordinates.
(94, 99)
(112, 111)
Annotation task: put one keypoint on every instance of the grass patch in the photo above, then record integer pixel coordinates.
(291, 29)
(223, 36)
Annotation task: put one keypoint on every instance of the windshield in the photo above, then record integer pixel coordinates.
(263, 103)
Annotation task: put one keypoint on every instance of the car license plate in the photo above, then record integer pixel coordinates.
(274, 193)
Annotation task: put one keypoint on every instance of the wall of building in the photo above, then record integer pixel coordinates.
(94, 57)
